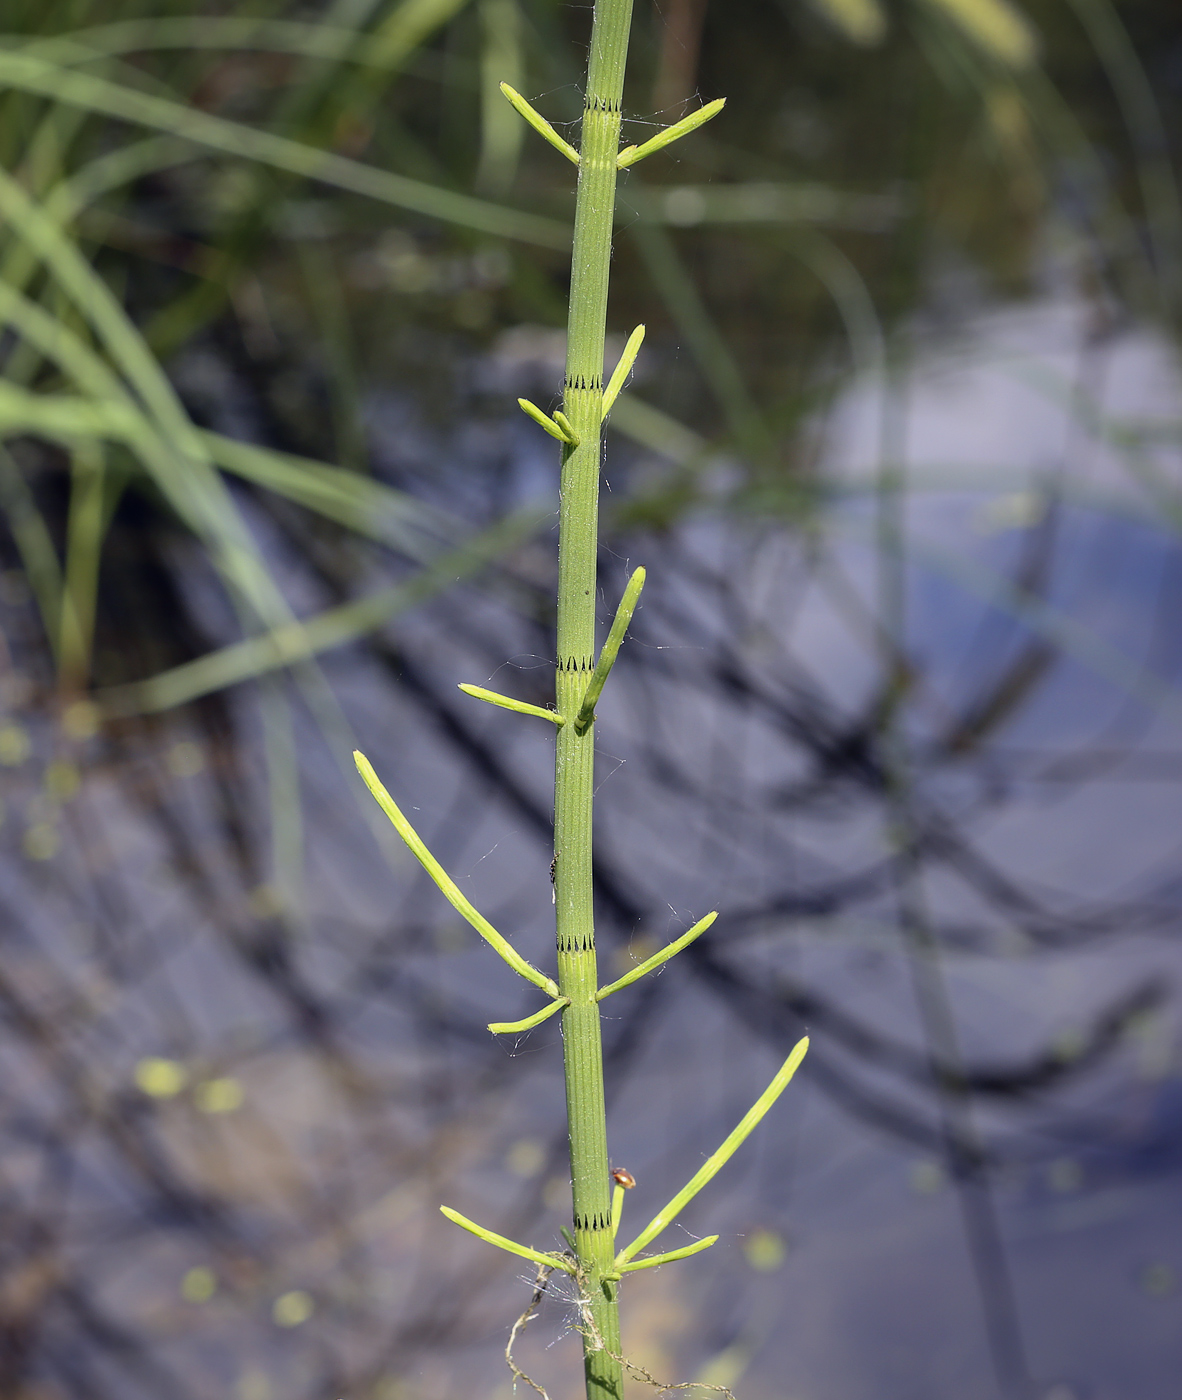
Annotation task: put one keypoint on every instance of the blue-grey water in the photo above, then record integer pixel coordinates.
(975, 861)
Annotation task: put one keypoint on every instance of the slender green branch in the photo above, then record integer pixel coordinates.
(696, 1248)
(623, 368)
(670, 950)
(506, 702)
(631, 154)
(713, 1164)
(611, 649)
(539, 123)
(566, 427)
(558, 426)
(552, 1261)
(617, 1208)
(512, 1027)
(451, 891)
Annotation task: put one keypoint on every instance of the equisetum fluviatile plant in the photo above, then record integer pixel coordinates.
(592, 1258)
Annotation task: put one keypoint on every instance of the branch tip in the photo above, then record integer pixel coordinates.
(670, 950)
(506, 702)
(623, 368)
(674, 1254)
(558, 427)
(611, 649)
(552, 1261)
(539, 123)
(714, 1164)
(447, 886)
(631, 154)
(529, 1022)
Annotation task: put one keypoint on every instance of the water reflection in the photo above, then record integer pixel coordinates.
(917, 741)
(956, 868)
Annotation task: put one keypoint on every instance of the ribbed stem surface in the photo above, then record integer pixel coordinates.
(575, 764)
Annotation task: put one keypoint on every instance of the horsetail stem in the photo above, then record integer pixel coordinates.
(592, 1257)
(574, 769)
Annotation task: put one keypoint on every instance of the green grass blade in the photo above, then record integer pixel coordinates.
(58, 344)
(714, 1164)
(77, 46)
(85, 530)
(719, 367)
(502, 56)
(406, 27)
(448, 887)
(181, 469)
(325, 297)
(67, 419)
(281, 751)
(851, 297)
(122, 166)
(553, 1261)
(364, 505)
(655, 430)
(63, 418)
(995, 26)
(328, 42)
(861, 21)
(766, 202)
(72, 194)
(233, 138)
(34, 544)
(669, 951)
(356, 501)
(296, 641)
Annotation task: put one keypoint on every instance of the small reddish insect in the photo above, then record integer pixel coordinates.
(623, 1177)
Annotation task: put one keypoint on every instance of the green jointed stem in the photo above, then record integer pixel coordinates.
(592, 1260)
(574, 763)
